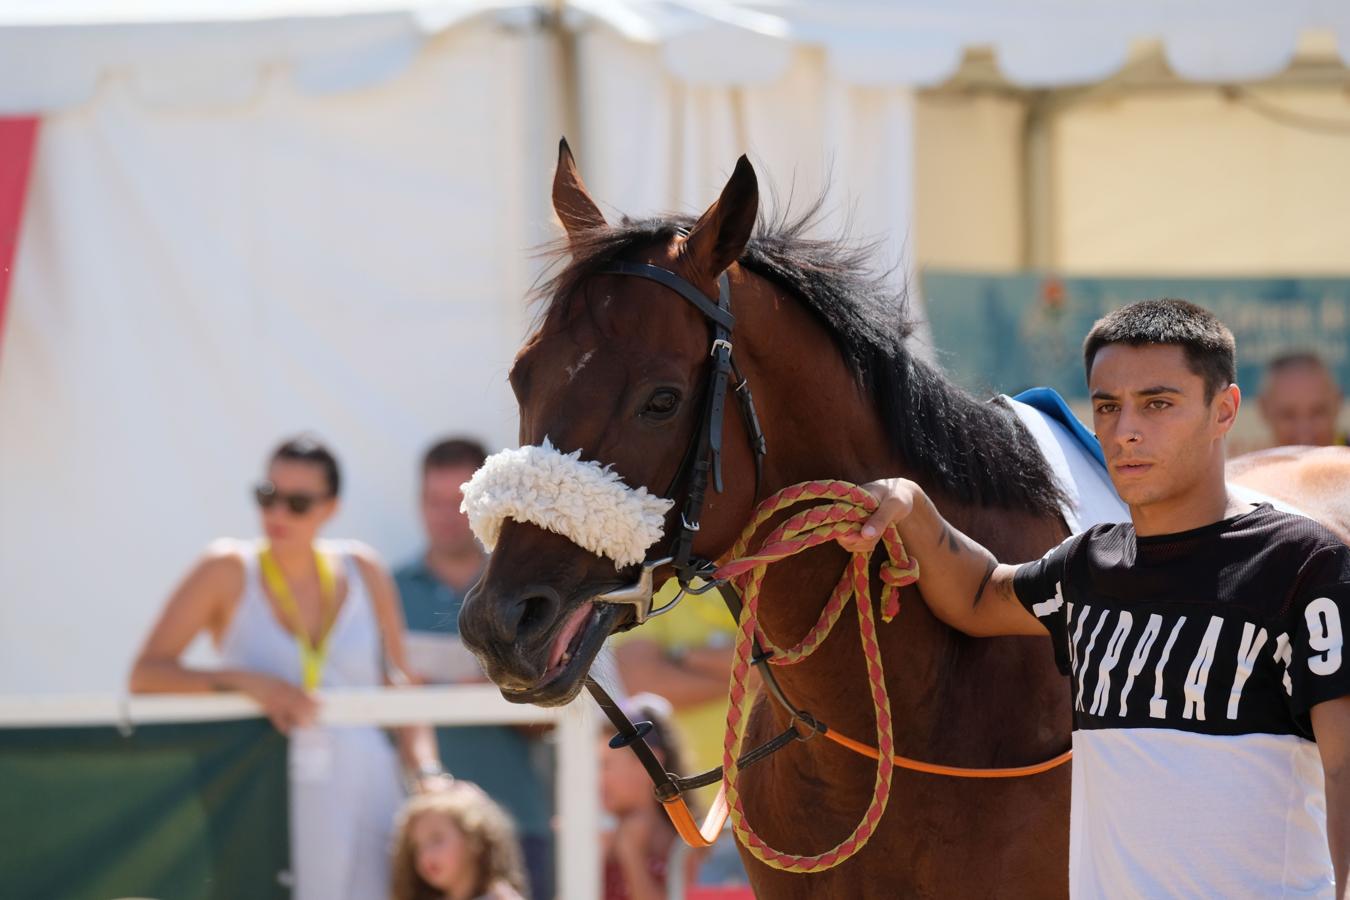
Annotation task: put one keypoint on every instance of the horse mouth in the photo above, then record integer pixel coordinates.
(571, 652)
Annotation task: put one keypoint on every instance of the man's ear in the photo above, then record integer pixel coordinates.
(1226, 403)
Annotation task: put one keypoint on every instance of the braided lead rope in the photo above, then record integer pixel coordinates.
(850, 506)
(808, 529)
(821, 525)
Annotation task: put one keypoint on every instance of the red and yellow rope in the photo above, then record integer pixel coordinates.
(848, 507)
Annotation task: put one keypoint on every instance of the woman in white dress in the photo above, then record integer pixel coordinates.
(290, 614)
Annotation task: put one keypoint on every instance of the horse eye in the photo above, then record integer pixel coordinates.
(662, 404)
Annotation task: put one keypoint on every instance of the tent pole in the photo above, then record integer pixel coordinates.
(1038, 196)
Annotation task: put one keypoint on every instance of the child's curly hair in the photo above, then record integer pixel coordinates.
(488, 831)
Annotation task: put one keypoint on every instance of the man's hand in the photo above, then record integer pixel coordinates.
(646, 666)
(895, 501)
(956, 575)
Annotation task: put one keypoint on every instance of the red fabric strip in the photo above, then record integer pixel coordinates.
(17, 137)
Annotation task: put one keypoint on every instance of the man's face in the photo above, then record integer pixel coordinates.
(447, 528)
(1161, 438)
(1300, 405)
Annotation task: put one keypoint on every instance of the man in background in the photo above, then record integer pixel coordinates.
(1300, 401)
(504, 761)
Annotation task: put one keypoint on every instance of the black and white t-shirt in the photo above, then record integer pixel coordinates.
(1193, 662)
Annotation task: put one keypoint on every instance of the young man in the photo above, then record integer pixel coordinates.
(1203, 641)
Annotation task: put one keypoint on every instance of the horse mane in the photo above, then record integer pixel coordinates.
(977, 452)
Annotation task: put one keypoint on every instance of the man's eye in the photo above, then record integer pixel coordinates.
(1105, 408)
(662, 404)
(1158, 404)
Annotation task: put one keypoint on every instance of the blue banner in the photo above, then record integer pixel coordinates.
(1005, 333)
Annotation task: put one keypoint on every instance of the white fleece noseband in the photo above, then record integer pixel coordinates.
(579, 499)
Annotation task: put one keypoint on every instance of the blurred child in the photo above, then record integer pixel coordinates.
(637, 851)
(456, 844)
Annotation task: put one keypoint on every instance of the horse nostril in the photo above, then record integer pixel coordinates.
(489, 620)
(537, 606)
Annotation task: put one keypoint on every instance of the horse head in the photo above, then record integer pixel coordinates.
(613, 390)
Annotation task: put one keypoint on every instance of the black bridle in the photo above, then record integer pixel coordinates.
(704, 457)
(702, 460)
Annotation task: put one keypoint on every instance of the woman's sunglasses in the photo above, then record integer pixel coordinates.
(267, 495)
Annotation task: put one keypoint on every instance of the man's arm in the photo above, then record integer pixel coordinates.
(645, 666)
(1331, 725)
(1320, 681)
(962, 583)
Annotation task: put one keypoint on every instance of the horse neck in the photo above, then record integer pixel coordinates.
(821, 424)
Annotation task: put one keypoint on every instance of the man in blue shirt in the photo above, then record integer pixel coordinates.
(509, 765)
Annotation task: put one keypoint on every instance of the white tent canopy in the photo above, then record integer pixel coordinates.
(189, 55)
(1039, 43)
(251, 218)
(53, 53)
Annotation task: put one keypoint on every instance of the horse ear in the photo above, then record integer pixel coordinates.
(571, 201)
(719, 236)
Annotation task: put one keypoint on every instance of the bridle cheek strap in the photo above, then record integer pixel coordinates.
(706, 458)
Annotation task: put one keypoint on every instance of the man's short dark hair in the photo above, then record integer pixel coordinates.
(1294, 360)
(454, 452)
(307, 448)
(1298, 359)
(1209, 346)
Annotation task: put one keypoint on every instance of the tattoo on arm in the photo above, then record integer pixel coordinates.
(1006, 591)
(949, 536)
(989, 568)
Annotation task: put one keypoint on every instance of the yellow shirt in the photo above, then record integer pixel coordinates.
(699, 621)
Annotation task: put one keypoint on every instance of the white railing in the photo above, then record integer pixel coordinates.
(577, 799)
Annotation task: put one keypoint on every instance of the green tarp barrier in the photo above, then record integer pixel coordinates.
(1011, 332)
(173, 812)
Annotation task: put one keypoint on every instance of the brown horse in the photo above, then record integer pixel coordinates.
(617, 369)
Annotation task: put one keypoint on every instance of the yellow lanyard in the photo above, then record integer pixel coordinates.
(312, 658)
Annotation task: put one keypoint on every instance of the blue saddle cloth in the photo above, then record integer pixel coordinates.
(1049, 402)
